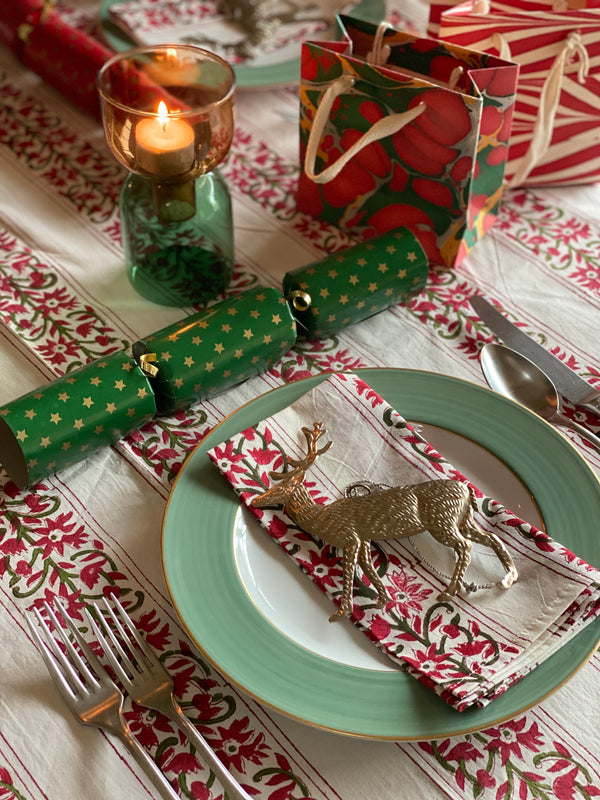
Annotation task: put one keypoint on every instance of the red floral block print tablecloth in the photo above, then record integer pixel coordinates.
(95, 528)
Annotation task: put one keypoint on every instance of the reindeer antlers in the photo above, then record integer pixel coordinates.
(300, 467)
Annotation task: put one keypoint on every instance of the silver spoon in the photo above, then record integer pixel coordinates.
(516, 377)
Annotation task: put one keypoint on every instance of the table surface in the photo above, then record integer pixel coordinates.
(97, 524)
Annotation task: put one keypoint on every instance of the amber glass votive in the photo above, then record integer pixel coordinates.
(168, 118)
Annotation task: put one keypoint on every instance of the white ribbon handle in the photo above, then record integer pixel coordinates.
(382, 128)
(544, 124)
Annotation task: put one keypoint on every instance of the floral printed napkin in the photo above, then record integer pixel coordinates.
(469, 649)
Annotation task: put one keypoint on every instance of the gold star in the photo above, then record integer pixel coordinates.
(232, 312)
(196, 340)
(78, 424)
(127, 366)
(390, 249)
(83, 448)
(310, 271)
(346, 321)
(178, 383)
(402, 273)
(197, 387)
(66, 446)
(95, 381)
(30, 414)
(130, 412)
(412, 256)
(372, 287)
(120, 385)
(382, 267)
(38, 395)
(88, 402)
(209, 366)
(45, 441)
(343, 299)
(63, 396)
(99, 429)
(332, 273)
(188, 361)
(174, 336)
(102, 364)
(389, 292)
(353, 279)
(70, 380)
(226, 328)
(219, 347)
(5, 411)
(203, 323)
(248, 333)
(21, 435)
(166, 356)
(142, 393)
(360, 304)
(260, 297)
(362, 262)
(32, 463)
(239, 353)
(304, 285)
(324, 292)
(255, 359)
(275, 319)
(55, 418)
(227, 373)
(267, 338)
(255, 314)
(331, 318)
(111, 408)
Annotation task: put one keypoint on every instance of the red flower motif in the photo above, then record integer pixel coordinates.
(57, 352)
(56, 534)
(511, 736)
(407, 593)
(239, 744)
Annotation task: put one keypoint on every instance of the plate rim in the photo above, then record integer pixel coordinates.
(475, 719)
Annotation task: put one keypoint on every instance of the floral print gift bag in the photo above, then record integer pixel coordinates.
(400, 131)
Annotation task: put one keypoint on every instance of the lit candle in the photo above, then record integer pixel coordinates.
(172, 69)
(164, 144)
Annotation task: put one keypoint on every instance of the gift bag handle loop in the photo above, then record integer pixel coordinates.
(382, 128)
(544, 124)
(380, 53)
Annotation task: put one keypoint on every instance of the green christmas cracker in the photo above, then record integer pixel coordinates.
(67, 420)
(357, 282)
(226, 344)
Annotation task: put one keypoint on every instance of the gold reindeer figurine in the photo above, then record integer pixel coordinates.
(442, 507)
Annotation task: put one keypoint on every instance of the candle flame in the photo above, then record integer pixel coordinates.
(163, 114)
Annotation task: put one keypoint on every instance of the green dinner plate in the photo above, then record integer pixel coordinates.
(220, 616)
(260, 76)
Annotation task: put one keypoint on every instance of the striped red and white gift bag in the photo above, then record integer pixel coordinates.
(555, 136)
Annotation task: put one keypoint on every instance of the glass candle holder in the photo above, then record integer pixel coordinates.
(168, 118)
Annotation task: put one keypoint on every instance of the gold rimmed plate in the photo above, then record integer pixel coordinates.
(263, 624)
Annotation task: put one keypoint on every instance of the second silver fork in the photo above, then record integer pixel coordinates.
(149, 684)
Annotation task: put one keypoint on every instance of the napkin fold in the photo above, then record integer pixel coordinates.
(468, 649)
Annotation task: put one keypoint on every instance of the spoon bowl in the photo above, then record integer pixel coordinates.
(516, 377)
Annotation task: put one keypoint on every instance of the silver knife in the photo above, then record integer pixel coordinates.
(567, 382)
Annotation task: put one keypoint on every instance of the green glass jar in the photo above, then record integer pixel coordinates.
(178, 238)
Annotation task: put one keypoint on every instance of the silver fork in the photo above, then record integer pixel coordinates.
(87, 688)
(149, 684)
